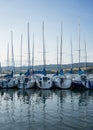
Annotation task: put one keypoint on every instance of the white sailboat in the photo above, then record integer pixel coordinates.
(60, 81)
(21, 76)
(44, 81)
(13, 81)
(3, 82)
(79, 82)
(31, 78)
(89, 82)
(27, 81)
(10, 81)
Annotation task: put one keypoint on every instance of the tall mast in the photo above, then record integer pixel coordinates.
(21, 53)
(79, 44)
(85, 56)
(33, 53)
(71, 54)
(7, 57)
(13, 63)
(57, 53)
(61, 50)
(44, 57)
(28, 49)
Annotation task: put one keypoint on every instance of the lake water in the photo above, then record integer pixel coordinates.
(46, 110)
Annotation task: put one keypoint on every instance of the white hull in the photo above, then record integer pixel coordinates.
(4, 84)
(29, 84)
(89, 84)
(80, 81)
(26, 83)
(9, 83)
(62, 82)
(13, 83)
(44, 82)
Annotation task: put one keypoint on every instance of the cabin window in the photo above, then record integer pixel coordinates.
(83, 78)
(26, 80)
(45, 78)
(48, 78)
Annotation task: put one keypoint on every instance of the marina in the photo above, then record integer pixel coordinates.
(46, 65)
(48, 82)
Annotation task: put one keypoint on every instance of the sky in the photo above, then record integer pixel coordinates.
(15, 14)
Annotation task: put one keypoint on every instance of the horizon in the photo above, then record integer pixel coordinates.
(81, 63)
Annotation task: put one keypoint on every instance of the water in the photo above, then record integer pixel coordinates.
(46, 110)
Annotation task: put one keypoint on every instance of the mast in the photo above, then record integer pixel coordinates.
(21, 53)
(71, 54)
(79, 44)
(61, 49)
(44, 57)
(57, 53)
(28, 49)
(85, 57)
(33, 53)
(13, 63)
(7, 57)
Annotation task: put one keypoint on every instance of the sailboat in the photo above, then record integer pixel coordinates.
(70, 74)
(60, 81)
(44, 81)
(3, 82)
(21, 76)
(13, 81)
(27, 81)
(79, 82)
(10, 81)
(31, 78)
(89, 84)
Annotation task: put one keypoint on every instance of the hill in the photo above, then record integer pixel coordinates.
(53, 67)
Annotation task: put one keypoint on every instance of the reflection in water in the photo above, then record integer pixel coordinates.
(46, 110)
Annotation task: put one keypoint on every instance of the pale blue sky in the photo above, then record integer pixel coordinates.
(15, 14)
